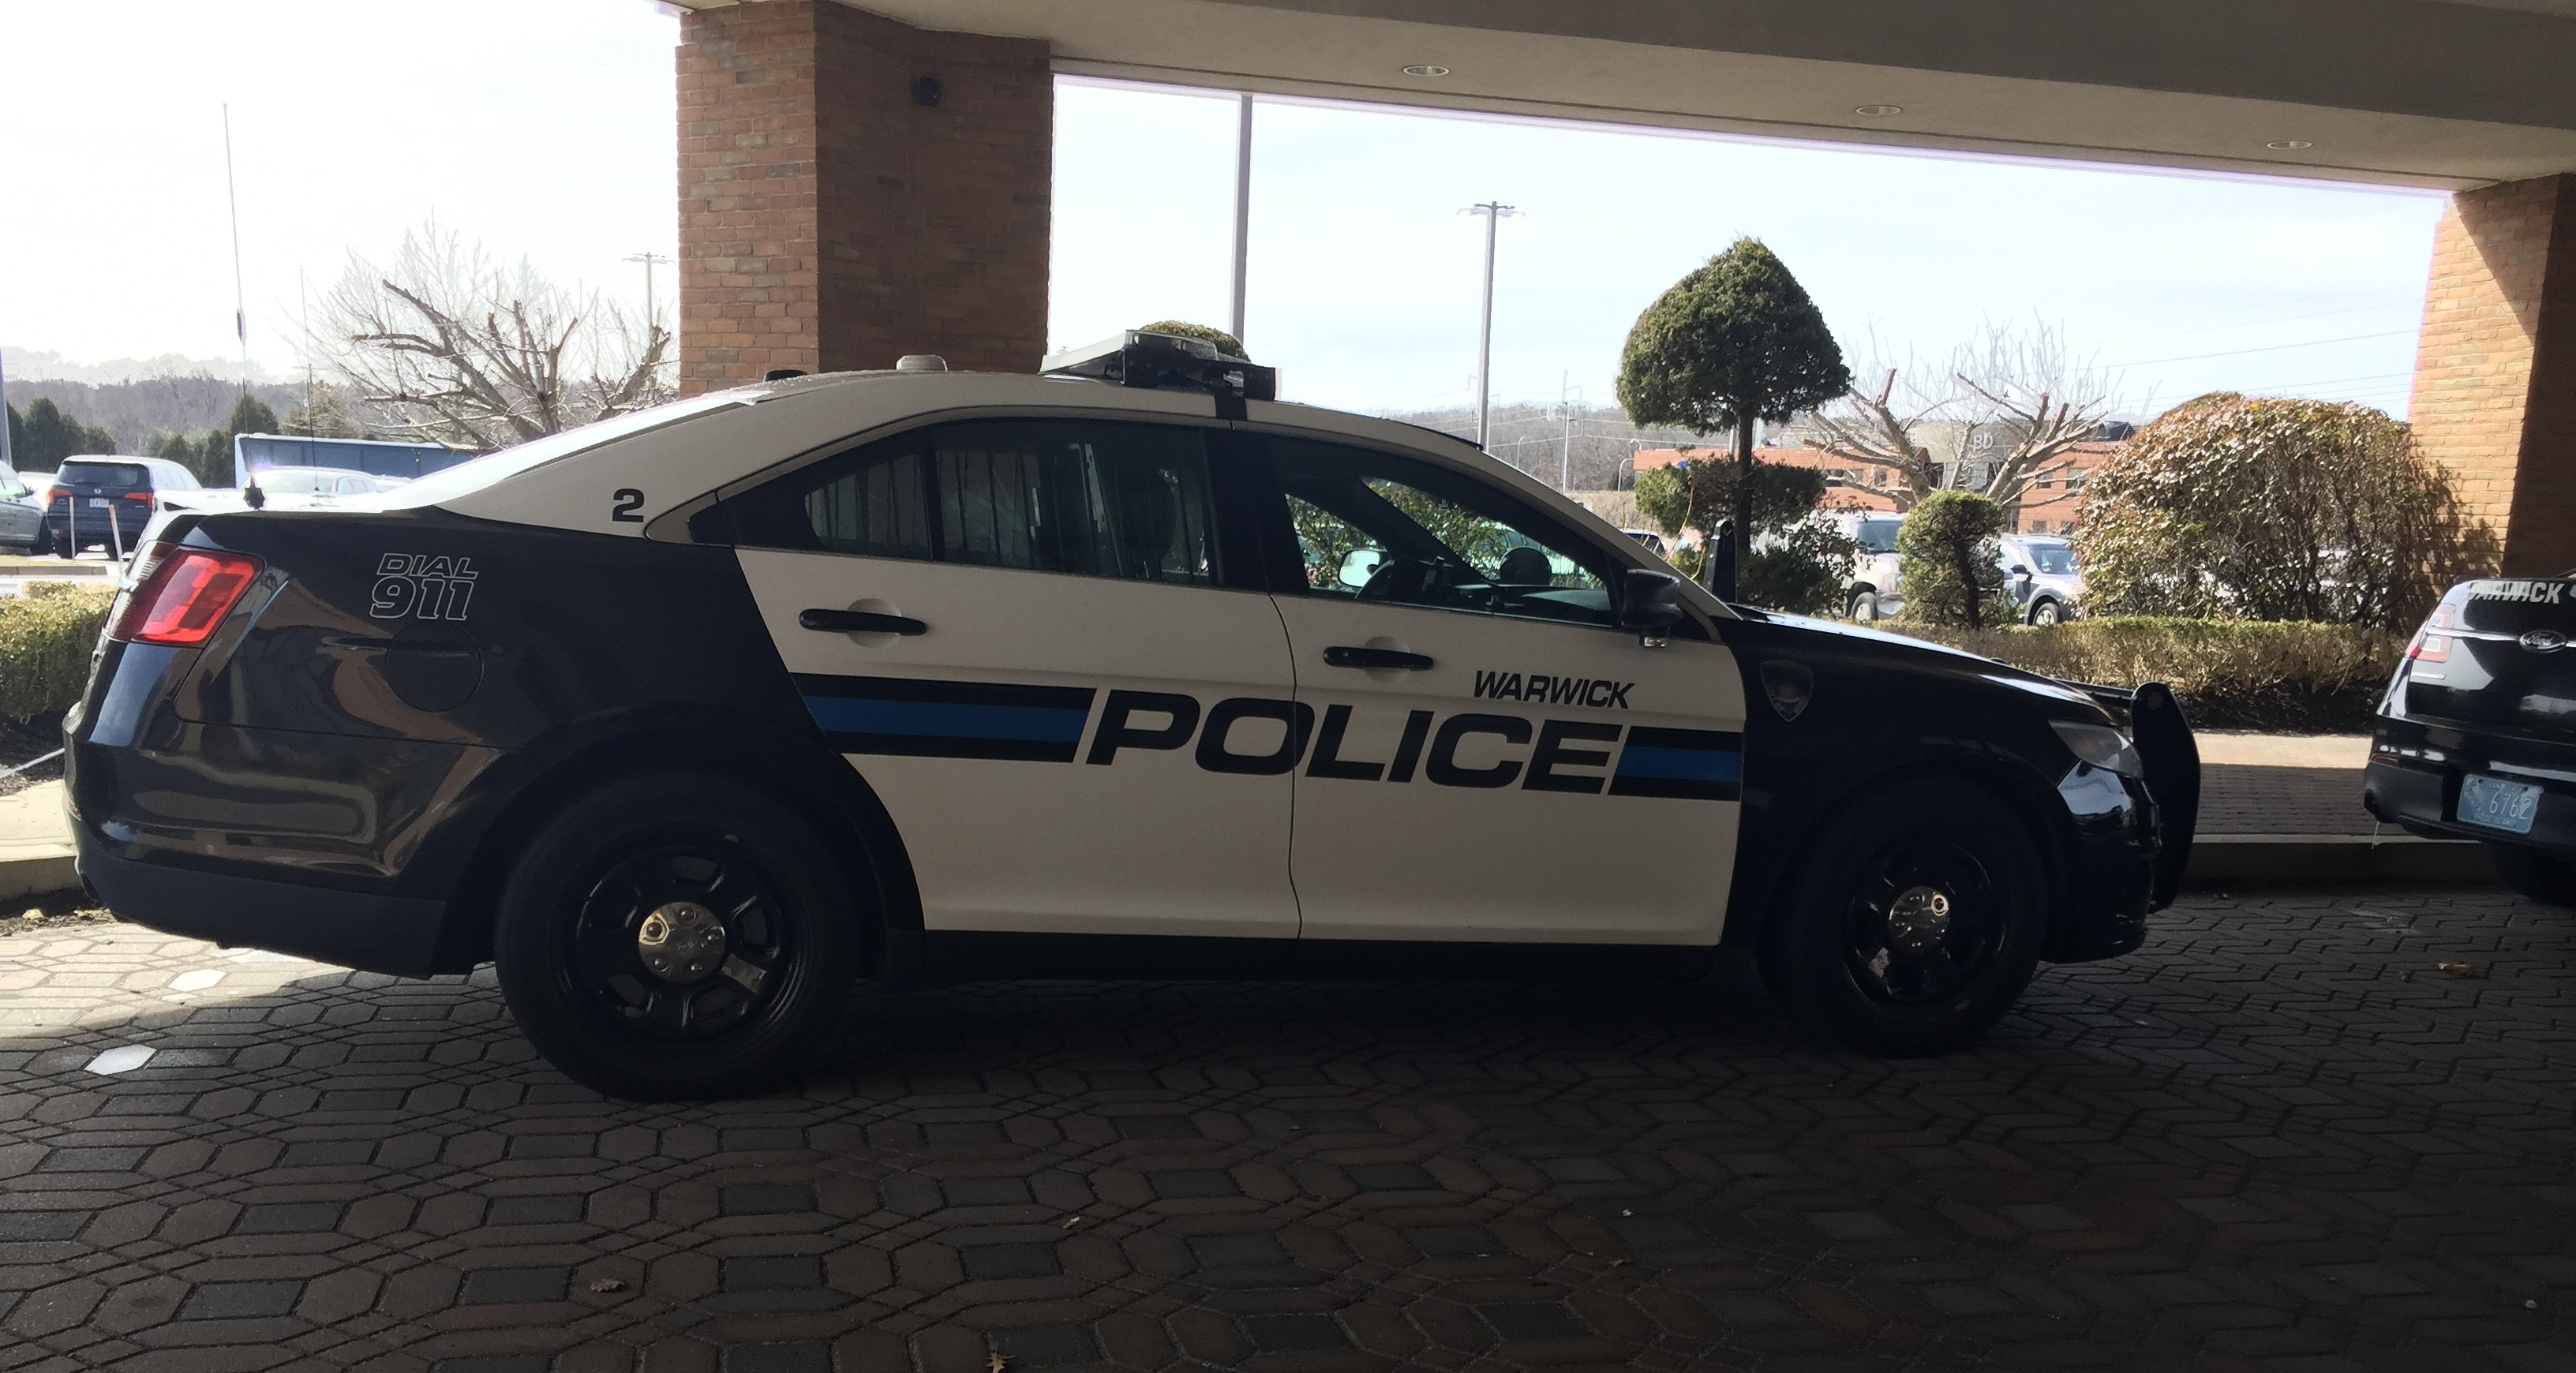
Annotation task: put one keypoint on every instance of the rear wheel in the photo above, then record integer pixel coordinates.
(675, 935)
(62, 542)
(2045, 612)
(2543, 877)
(1915, 923)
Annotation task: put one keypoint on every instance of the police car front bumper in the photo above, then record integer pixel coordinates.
(373, 933)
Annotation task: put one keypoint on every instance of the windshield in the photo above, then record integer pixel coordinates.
(1878, 536)
(503, 464)
(2051, 559)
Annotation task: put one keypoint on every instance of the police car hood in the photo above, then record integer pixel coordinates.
(1923, 654)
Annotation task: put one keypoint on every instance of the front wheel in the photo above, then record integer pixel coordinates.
(675, 935)
(2545, 878)
(1914, 923)
(1864, 606)
(2046, 612)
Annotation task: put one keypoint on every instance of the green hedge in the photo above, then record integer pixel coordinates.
(2252, 674)
(45, 640)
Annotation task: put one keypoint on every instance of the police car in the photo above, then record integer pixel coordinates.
(2476, 735)
(691, 718)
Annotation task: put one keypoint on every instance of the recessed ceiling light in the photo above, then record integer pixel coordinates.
(1878, 111)
(1426, 69)
(2288, 145)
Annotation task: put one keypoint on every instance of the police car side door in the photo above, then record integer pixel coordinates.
(1493, 760)
(1016, 630)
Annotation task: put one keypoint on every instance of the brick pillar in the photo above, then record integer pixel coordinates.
(831, 221)
(2495, 375)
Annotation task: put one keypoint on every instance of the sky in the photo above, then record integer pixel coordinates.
(353, 122)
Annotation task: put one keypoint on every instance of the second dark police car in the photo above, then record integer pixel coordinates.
(691, 717)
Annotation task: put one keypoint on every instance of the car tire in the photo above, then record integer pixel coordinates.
(2045, 612)
(675, 935)
(2545, 878)
(63, 545)
(1914, 922)
(1864, 606)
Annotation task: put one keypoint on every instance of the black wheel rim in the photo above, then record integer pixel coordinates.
(711, 925)
(1927, 923)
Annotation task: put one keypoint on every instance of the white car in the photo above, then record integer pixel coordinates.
(292, 488)
(690, 718)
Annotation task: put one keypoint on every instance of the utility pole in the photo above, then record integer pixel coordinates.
(1494, 215)
(651, 321)
(232, 204)
(1242, 207)
(1565, 411)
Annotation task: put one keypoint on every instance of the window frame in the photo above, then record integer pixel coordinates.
(1233, 564)
(1285, 560)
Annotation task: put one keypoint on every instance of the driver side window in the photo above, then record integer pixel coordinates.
(1378, 527)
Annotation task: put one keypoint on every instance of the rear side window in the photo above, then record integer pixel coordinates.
(1094, 498)
(125, 474)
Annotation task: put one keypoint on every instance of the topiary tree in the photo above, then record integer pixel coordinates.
(2271, 509)
(1733, 342)
(1950, 560)
(1797, 563)
(1226, 343)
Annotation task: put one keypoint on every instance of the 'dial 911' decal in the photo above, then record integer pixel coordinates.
(1048, 724)
(422, 586)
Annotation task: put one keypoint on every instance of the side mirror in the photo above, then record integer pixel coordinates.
(1650, 603)
(1359, 565)
(2020, 571)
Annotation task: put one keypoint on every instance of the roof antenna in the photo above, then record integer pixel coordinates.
(241, 313)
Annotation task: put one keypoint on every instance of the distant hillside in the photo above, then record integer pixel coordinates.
(134, 411)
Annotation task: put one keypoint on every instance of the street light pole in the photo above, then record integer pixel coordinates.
(1494, 214)
(1242, 208)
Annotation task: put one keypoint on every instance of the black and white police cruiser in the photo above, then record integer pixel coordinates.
(2476, 736)
(690, 718)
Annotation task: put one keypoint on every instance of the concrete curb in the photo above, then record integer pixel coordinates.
(40, 875)
(2280, 860)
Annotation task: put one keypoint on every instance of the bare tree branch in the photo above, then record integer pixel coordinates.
(448, 344)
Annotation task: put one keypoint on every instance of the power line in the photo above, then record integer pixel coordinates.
(2269, 348)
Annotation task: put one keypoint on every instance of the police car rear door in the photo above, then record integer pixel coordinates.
(1492, 760)
(1014, 628)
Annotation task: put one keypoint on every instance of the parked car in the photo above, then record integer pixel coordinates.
(1650, 541)
(106, 502)
(2041, 575)
(1874, 591)
(692, 717)
(22, 513)
(2476, 736)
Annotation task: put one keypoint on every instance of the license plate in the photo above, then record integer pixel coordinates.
(2498, 804)
(98, 502)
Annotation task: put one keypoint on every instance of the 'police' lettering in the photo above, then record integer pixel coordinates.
(1116, 732)
(1443, 769)
(1296, 720)
(1328, 751)
(1552, 754)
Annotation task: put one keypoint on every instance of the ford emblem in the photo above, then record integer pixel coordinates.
(2544, 641)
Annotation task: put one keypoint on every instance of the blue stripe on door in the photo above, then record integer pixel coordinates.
(1683, 764)
(938, 719)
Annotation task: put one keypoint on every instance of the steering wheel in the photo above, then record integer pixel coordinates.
(1411, 581)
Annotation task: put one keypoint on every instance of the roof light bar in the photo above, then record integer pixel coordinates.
(1137, 358)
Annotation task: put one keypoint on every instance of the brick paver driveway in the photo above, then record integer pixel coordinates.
(2279, 1135)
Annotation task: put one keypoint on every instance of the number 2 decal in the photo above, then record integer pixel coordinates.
(628, 501)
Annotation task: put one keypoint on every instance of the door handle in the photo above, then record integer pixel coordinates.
(1342, 655)
(860, 622)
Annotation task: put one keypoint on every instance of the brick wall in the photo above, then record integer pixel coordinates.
(2495, 373)
(828, 221)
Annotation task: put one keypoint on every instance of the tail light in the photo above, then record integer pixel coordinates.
(2430, 647)
(181, 594)
(149, 503)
